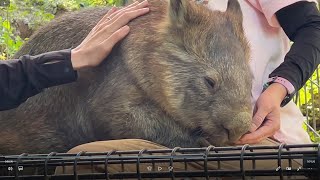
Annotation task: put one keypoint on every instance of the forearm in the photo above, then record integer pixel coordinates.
(301, 22)
(29, 75)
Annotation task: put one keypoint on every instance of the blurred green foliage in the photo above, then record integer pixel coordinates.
(9, 43)
(309, 102)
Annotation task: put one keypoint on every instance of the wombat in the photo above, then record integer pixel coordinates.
(180, 79)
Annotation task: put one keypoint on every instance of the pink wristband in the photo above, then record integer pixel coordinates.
(284, 82)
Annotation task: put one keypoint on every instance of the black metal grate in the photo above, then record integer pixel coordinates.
(178, 163)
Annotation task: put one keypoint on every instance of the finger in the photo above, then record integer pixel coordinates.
(136, 5)
(112, 13)
(104, 30)
(127, 17)
(124, 9)
(267, 130)
(115, 38)
(107, 16)
(112, 10)
(116, 15)
(258, 118)
(100, 24)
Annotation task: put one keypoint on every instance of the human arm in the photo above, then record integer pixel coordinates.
(29, 75)
(301, 23)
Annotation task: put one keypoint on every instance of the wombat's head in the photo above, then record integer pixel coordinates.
(204, 80)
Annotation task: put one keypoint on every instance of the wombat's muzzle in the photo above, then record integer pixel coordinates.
(238, 126)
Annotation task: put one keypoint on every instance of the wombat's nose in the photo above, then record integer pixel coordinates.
(238, 126)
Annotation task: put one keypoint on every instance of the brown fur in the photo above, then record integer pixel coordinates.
(153, 86)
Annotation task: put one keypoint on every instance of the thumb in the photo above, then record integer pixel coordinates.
(258, 118)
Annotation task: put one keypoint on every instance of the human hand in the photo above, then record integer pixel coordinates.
(266, 119)
(109, 30)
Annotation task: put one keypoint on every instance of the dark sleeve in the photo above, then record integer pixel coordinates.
(301, 22)
(29, 75)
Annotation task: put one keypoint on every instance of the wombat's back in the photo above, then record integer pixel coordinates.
(60, 117)
(71, 28)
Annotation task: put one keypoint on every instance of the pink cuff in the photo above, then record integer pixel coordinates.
(284, 82)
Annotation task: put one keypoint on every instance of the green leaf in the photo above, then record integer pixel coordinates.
(6, 24)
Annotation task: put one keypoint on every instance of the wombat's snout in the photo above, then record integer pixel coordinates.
(238, 126)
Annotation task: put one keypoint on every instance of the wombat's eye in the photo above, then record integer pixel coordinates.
(209, 82)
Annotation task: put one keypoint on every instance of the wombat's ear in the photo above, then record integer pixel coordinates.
(234, 6)
(178, 12)
(234, 14)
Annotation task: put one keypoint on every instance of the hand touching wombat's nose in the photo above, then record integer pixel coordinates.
(266, 119)
(110, 30)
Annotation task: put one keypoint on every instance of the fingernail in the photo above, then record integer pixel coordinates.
(113, 8)
(145, 9)
(126, 28)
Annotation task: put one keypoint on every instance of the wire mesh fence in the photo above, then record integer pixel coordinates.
(240, 162)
